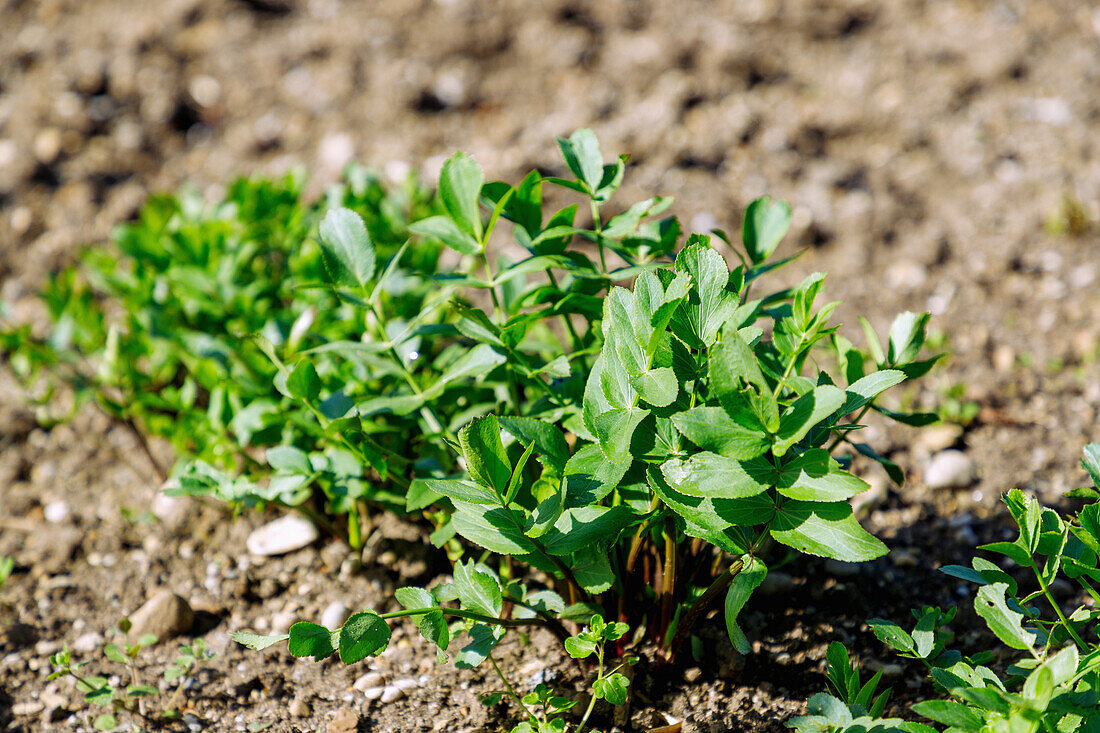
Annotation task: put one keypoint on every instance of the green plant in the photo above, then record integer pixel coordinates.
(1047, 675)
(130, 701)
(159, 330)
(7, 565)
(689, 429)
(955, 408)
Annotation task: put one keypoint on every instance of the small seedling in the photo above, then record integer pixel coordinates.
(130, 704)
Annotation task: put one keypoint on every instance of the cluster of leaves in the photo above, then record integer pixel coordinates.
(164, 330)
(642, 448)
(1047, 676)
(130, 704)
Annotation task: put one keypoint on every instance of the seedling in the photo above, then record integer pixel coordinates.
(133, 703)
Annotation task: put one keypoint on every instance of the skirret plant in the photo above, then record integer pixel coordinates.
(642, 451)
(1045, 673)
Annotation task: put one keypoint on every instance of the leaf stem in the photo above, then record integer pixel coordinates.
(592, 700)
(1058, 609)
(511, 690)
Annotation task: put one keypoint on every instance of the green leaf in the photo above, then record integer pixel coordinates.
(289, 459)
(107, 721)
(592, 568)
(714, 476)
(950, 713)
(807, 411)
(434, 628)
(484, 452)
(411, 598)
(141, 690)
(581, 646)
(709, 305)
(475, 363)
(714, 430)
(497, 529)
(866, 389)
(548, 439)
(892, 635)
(612, 688)
(590, 476)
(363, 635)
(991, 604)
(1091, 462)
(766, 223)
(303, 383)
(582, 154)
(826, 530)
(348, 247)
(448, 232)
(477, 590)
(462, 490)
(733, 362)
(924, 634)
(615, 428)
(459, 189)
(815, 476)
(585, 527)
(483, 639)
(744, 583)
(906, 337)
(311, 640)
(258, 641)
(658, 387)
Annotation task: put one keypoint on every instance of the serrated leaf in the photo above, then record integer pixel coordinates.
(658, 387)
(496, 529)
(585, 527)
(807, 411)
(866, 389)
(709, 305)
(612, 688)
(548, 439)
(348, 247)
(477, 590)
(484, 452)
(713, 429)
(991, 604)
(950, 713)
(826, 530)
(615, 428)
(448, 232)
(714, 476)
(582, 155)
(892, 635)
(590, 476)
(483, 639)
(459, 189)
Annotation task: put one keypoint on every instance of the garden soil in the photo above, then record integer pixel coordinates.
(929, 149)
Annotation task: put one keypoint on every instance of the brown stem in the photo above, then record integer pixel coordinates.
(668, 586)
(145, 448)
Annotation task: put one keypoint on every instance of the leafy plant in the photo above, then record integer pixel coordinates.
(1052, 679)
(131, 701)
(7, 565)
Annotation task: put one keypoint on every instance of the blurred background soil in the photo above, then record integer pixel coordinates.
(940, 155)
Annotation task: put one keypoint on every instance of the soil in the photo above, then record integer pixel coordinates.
(925, 146)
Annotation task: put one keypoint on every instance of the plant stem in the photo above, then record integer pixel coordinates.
(709, 595)
(597, 227)
(592, 701)
(469, 615)
(145, 448)
(1058, 609)
(842, 437)
(511, 690)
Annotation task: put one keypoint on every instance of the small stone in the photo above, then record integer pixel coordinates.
(350, 567)
(56, 511)
(281, 536)
(165, 615)
(949, 469)
(86, 643)
(299, 708)
(47, 145)
(22, 709)
(282, 621)
(692, 674)
(406, 683)
(391, 693)
(1004, 358)
(335, 614)
(172, 511)
(373, 693)
(369, 680)
(346, 720)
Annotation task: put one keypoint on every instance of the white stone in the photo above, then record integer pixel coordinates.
(391, 693)
(949, 469)
(368, 681)
(373, 693)
(335, 614)
(86, 643)
(281, 536)
(172, 511)
(56, 511)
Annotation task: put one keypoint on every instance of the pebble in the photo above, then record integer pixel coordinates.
(47, 145)
(172, 511)
(299, 708)
(391, 693)
(1004, 359)
(56, 511)
(88, 642)
(949, 469)
(692, 674)
(346, 720)
(282, 621)
(21, 709)
(286, 534)
(165, 615)
(373, 693)
(369, 680)
(335, 614)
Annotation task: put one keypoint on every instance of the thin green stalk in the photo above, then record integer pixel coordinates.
(508, 623)
(597, 228)
(511, 690)
(842, 437)
(1058, 609)
(592, 701)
